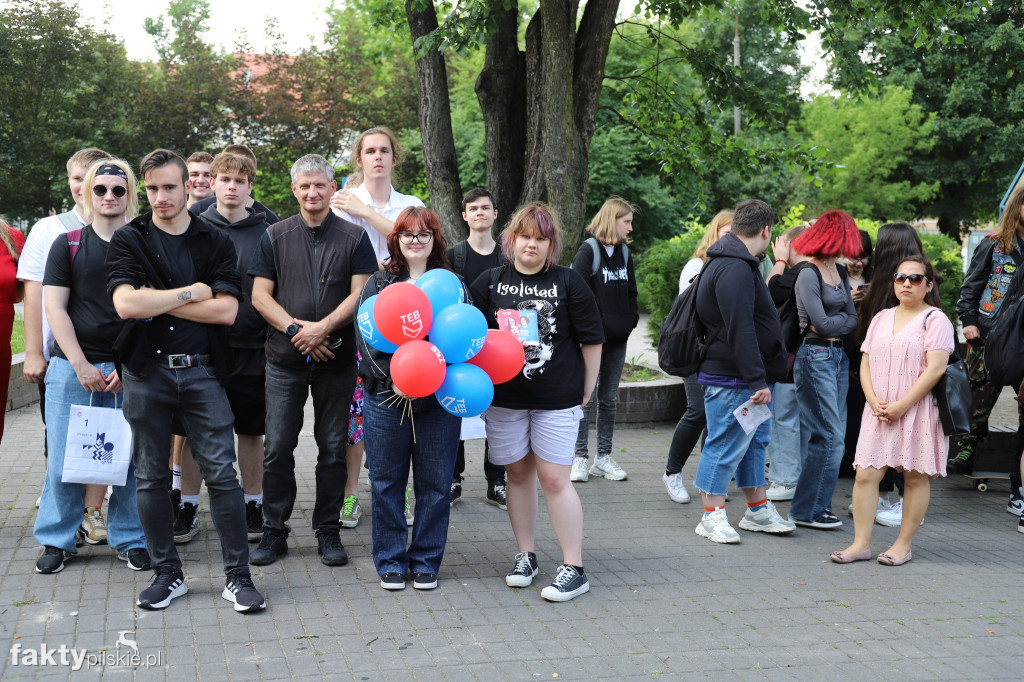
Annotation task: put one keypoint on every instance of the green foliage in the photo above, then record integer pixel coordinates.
(867, 141)
(657, 275)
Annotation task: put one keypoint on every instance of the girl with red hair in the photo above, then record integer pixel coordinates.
(821, 369)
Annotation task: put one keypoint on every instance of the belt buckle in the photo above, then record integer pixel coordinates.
(179, 361)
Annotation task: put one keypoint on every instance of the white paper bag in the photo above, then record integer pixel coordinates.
(99, 446)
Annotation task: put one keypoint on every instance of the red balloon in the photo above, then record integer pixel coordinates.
(501, 357)
(417, 368)
(402, 313)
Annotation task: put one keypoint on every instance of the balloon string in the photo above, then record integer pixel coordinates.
(412, 420)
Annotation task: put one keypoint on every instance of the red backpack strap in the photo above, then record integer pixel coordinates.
(74, 241)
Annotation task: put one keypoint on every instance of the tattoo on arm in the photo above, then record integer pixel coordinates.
(185, 295)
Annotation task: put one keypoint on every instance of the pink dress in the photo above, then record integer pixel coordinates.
(915, 442)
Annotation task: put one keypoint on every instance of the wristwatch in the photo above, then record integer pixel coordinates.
(292, 329)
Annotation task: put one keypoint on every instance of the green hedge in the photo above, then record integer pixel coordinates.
(659, 266)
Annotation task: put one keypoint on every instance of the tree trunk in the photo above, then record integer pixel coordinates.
(564, 73)
(436, 127)
(501, 90)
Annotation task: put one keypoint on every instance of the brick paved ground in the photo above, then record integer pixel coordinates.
(663, 601)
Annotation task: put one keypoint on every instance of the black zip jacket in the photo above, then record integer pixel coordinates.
(614, 287)
(132, 259)
(250, 329)
(732, 298)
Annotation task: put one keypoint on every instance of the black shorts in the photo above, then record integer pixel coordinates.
(247, 397)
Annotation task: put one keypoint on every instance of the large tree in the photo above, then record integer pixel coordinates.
(539, 96)
(63, 86)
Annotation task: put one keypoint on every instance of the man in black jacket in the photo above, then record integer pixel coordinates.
(746, 354)
(174, 278)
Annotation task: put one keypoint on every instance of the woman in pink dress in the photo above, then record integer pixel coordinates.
(905, 354)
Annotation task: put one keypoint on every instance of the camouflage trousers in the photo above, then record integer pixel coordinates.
(984, 392)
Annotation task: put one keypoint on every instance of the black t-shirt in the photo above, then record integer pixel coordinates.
(567, 317)
(475, 264)
(91, 310)
(175, 335)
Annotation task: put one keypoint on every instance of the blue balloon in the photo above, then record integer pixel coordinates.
(467, 390)
(459, 332)
(368, 328)
(442, 287)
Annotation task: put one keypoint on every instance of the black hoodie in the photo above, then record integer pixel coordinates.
(614, 287)
(733, 299)
(250, 329)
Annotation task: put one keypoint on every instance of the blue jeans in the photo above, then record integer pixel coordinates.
(728, 450)
(613, 357)
(61, 509)
(784, 450)
(389, 449)
(151, 400)
(287, 391)
(822, 379)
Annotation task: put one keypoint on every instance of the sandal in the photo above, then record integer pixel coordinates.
(889, 560)
(850, 557)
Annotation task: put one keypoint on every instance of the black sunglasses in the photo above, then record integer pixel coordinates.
(101, 191)
(902, 277)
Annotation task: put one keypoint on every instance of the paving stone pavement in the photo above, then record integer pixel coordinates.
(663, 602)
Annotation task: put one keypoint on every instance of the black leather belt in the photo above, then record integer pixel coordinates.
(185, 361)
(824, 342)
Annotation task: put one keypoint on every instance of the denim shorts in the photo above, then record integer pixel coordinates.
(551, 434)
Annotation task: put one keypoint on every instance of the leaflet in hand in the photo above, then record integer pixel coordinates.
(750, 415)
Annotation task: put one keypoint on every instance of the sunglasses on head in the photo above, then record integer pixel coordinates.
(101, 190)
(914, 279)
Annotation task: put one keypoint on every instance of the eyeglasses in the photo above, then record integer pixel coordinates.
(418, 237)
(101, 190)
(902, 277)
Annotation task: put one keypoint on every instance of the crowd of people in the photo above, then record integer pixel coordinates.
(210, 319)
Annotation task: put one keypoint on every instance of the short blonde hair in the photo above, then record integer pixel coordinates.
(90, 179)
(602, 227)
(721, 219)
(87, 157)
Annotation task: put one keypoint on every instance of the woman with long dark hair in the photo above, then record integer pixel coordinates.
(415, 246)
(905, 354)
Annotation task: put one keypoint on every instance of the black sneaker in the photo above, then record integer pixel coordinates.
(456, 491)
(523, 572)
(330, 549)
(175, 496)
(240, 591)
(392, 581)
(137, 558)
(168, 583)
(272, 545)
(963, 462)
(568, 584)
(826, 521)
(496, 495)
(1020, 525)
(1016, 505)
(254, 520)
(186, 523)
(52, 560)
(424, 581)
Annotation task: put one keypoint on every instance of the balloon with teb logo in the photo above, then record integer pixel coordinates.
(417, 368)
(402, 313)
(368, 329)
(501, 357)
(442, 287)
(466, 391)
(459, 331)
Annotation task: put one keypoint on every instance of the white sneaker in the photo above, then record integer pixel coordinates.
(715, 527)
(606, 466)
(883, 505)
(579, 470)
(780, 493)
(675, 487)
(766, 520)
(892, 517)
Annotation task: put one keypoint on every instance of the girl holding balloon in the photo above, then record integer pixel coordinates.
(403, 421)
(534, 418)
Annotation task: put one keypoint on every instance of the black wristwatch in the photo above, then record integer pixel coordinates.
(292, 329)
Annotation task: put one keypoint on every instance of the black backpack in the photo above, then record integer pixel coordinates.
(684, 339)
(784, 297)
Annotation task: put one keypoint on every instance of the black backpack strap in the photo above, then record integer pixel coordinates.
(459, 251)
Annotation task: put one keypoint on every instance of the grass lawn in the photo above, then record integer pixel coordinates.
(18, 337)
